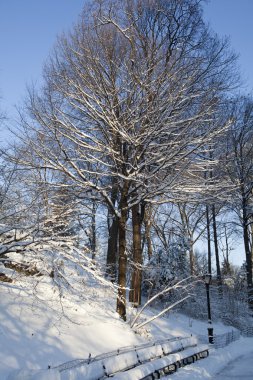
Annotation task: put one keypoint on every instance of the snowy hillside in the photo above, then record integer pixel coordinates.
(39, 329)
(43, 324)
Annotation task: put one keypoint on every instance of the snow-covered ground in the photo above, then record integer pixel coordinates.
(240, 368)
(38, 329)
(231, 362)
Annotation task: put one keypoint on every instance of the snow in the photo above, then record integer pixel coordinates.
(92, 371)
(234, 369)
(37, 330)
(40, 330)
(121, 362)
(149, 353)
(171, 347)
(217, 361)
(34, 375)
(148, 368)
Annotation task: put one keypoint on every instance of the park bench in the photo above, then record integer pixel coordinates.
(140, 363)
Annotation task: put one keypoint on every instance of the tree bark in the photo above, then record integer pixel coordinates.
(93, 240)
(135, 292)
(148, 225)
(122, 267)
(246, 241)
(112, 245)
(251, 245)
(192, 258)
(216, 249)
(209, 251)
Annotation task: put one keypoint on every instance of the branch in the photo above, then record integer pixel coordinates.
(162, 312)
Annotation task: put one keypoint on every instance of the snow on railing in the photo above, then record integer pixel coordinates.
(144, 361)
(247, 331)
(222, 340)
(79, 362)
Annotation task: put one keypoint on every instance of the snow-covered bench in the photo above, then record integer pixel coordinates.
(139, 363)
(115, 366)
(163, 366)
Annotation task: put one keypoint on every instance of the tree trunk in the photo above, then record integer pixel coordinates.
(148, 225)
(216, 249)
(247, 253)
(112, 248)
(192, 258)
(112, 245)
(251, 245)
(122, 267)
(209, 252)
(93, 242)
(135, 292)
(226, 264)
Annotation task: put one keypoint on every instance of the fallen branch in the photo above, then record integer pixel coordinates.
(166, 290)
(162, 312)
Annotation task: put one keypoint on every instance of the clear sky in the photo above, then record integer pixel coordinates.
(28, 30)
(234, 18)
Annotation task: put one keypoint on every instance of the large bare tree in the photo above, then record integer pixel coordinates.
(129, 100)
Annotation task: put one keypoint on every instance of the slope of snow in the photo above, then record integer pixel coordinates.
(37, 330)
(43, 326)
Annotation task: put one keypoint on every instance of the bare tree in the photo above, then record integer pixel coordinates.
(192, 216)
(239, 166)
(127, 103)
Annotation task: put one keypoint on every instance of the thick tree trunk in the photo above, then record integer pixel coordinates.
(112, 249)
(251, 239)
(122, 267)
(247, 253)
(112, 245)
(135, 292)
(251, 245)
(148, 225)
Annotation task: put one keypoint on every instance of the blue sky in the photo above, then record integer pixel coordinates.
(234, 19)
(28, 30)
